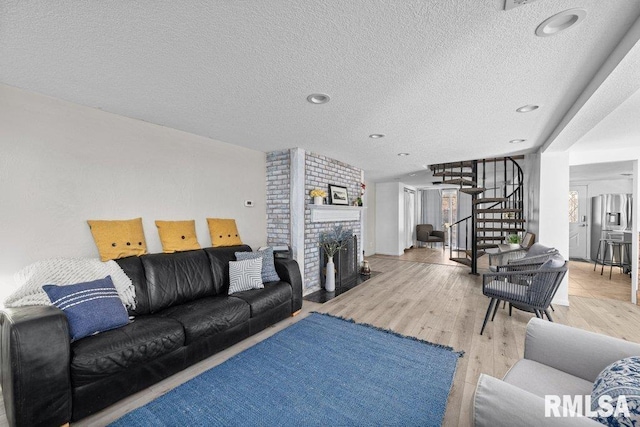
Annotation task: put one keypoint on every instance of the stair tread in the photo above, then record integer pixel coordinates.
(500, 210)
(465, 261)
(487, 245)
(469, 164)
(497, 229)
(451, 165)
(491, 238)
(504, 220)
(473, 190)
(490, 200)
(468, 252)
(454, 173)
(459, 181)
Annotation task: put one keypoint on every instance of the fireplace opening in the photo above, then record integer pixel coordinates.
(346, 261)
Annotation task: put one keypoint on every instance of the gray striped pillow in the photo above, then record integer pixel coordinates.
(245, 275)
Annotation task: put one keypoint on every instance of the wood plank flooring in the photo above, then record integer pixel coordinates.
(435, 302)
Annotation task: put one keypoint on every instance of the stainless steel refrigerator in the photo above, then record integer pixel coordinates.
(611, 216)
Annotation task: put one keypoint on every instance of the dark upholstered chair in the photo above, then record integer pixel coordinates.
(528, 287)
(425, 233)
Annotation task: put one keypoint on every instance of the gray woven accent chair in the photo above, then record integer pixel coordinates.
(425, 233)
(528, 287)
(558, 360)
(537, 253)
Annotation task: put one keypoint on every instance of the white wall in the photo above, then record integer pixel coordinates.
(553, 229)
(531, 168)
(370, 218)
(389, 209)
(61, 164)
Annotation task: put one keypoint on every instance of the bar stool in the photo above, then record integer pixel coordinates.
(610, 246)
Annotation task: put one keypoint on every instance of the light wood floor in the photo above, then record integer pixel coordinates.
(583, 281)
(434, 302)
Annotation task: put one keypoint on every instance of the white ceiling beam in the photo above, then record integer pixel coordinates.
(615, 82)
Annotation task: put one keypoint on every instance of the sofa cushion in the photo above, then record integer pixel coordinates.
(245, 275)
(219, 261)
(543, 380)
(143, 340)
(132, 267)
(174, 279)
(224, 232)
(177, 236)
(269, 273)
(263, 300)
(506, 290)
(90, 307)
(621, 378)
(118, 238)
(538, 249)
(208, 316)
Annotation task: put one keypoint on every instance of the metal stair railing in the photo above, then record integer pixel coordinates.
(513, 200)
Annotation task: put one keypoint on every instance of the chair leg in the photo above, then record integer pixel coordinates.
(551, 307)
(510, 309)
(486, 316)
(537, 314)
(504, 304)
(495, 310)
(548, 315)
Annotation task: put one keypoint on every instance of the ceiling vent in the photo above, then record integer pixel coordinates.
(510, 4)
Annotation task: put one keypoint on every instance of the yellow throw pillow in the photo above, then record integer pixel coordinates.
(177, 236)
(118, 239)
(223, 232)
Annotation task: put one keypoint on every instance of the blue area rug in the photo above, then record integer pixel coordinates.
(320, 371)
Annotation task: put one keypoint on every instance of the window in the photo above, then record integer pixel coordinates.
(450, 211)
(573, 206)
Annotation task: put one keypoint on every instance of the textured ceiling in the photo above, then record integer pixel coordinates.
(440, 78)
(602, 171)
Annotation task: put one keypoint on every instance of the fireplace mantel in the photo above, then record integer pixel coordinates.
(334, 213)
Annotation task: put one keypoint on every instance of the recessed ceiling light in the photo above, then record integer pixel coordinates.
(560, 22)
(527, 108)
(403, 154)
(376, 135)
(318, 98)
(412, 174)
(516, 141)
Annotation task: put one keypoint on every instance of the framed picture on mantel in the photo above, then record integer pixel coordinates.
(338, 195)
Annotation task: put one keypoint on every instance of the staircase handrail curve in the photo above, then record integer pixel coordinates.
(520, 185)
(520, 182)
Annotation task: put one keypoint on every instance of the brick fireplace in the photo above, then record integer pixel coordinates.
(292, 218)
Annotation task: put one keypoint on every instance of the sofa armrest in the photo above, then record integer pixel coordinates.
(35, 360)
(499, 404)
(289, 271)
(574, 351)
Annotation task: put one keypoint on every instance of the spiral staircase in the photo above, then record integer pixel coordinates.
(496, 188)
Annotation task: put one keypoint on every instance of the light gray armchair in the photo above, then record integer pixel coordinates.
(558, 360)
(537, 253)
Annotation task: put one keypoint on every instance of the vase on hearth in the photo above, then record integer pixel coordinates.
(330, 276)
(317, 200)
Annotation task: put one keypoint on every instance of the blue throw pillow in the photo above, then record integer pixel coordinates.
(269, 273)
(90, 307)
(620, 380)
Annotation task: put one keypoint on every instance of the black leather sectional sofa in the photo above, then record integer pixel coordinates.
(183, 315)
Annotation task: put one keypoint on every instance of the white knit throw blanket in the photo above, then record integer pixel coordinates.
(67, 271)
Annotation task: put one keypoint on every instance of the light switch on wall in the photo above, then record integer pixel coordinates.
(248, 203)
